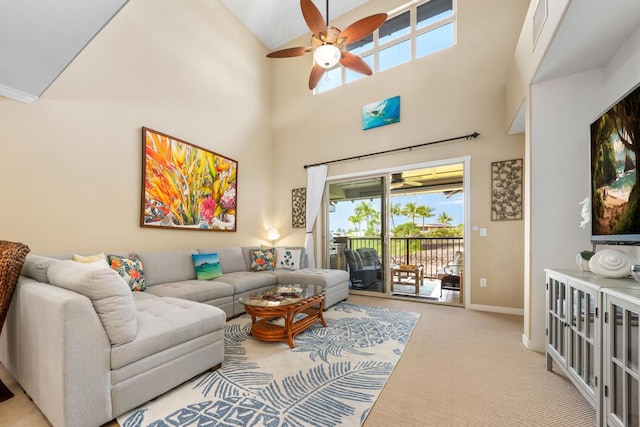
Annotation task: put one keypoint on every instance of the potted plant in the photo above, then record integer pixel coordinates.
(582, 259)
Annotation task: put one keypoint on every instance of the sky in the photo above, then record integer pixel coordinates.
(453, 206)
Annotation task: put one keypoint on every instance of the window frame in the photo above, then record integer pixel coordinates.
(412, 36)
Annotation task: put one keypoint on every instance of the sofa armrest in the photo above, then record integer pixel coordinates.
(55, 346)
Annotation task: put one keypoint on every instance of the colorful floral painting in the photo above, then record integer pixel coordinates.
(185, 186)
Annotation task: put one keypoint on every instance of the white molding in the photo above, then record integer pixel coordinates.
(533, 345)
(17, 95)
(400, 168)
(497, 309)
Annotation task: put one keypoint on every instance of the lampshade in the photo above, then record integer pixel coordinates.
(327, 55)
(273, 234)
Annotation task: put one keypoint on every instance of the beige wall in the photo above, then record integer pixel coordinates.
(450, 93)
(70, 164)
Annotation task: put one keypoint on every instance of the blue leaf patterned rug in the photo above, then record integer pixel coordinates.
(332, 377)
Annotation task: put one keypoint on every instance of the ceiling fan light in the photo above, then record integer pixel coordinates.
(327, 55)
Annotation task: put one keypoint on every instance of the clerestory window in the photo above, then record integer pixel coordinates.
(413, 32)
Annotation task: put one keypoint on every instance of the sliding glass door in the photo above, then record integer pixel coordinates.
(401, 234)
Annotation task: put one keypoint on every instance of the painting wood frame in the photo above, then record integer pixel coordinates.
(186, 187)
(506, 190)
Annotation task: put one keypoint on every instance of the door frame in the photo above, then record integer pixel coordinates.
(466, 179)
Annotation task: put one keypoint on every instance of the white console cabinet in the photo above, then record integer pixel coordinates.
(621, 355)
(598, 355)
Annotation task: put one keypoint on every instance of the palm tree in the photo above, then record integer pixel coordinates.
(410, 210)
(444, 218)
(424, 212)
(355, 220)
(395, 210)
(366, 212)
(373, 228)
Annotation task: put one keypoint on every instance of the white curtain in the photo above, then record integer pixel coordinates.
(316, 177)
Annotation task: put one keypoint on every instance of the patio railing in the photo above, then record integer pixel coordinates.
(431, 252)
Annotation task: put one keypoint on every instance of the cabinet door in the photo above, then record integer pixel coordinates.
(556, 317)
(621, 359)
(581, 335)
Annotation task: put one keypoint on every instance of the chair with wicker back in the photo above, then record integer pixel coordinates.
(12, 256)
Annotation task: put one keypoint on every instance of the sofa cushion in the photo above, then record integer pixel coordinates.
(167, 266)
(288, 259)
(164, 323)
(263, 260)
(231, 258)
(193, 290)
(131, 269)
(314, 276)
(207, 266)
(243, 281)
(109, 295)
(36, 266)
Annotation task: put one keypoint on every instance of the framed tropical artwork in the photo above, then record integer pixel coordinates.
(381, 113)
(186, 187)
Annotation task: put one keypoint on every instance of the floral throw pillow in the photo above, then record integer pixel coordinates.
(130, 268)
(263, 260)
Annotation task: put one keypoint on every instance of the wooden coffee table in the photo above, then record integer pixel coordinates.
(282, 312)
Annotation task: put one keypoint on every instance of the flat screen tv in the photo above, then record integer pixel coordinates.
(615, 193)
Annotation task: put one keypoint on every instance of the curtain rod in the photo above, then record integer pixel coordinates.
(411, 147)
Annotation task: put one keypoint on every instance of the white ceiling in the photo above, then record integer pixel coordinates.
(277, 22)
(39, 38)
(590, 33)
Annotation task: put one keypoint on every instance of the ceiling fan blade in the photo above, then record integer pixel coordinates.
(316, 74)
(290, 52)
(355, 63)
(314, 19)
(361, 28)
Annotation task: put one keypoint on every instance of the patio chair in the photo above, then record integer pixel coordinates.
(370, 260)
(369, 257)
(452, 277)
(359, 275)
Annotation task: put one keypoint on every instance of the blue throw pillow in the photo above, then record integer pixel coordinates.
(207, 266)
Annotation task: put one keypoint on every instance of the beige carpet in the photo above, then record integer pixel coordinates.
(469, 368)
(460, 368)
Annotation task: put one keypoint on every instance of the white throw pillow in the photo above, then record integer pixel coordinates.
(288, 259)
(36, 267)
(110, 295)
(90, 258)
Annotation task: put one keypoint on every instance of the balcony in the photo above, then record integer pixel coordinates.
(433, 253)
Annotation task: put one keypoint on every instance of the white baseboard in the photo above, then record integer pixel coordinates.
(497, 309)
(533, 345)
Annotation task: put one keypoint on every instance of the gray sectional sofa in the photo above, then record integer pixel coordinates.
(86, 349)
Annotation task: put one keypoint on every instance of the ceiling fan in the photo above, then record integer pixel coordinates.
(327, 42)
(398, 181)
